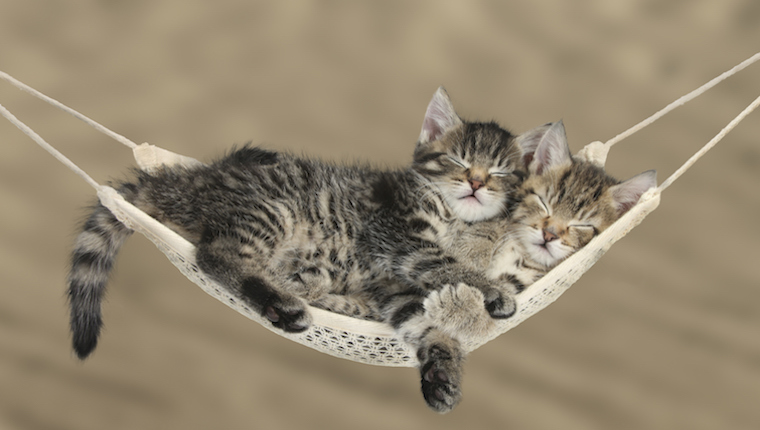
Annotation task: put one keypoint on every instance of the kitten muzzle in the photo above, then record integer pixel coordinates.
(549, 235)
(475, 184)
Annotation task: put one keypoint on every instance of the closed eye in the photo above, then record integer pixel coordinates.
(584, 227)
(459, 162)
(500, 173)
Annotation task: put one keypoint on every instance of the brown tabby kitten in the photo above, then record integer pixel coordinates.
(281, 231)
(564, 203)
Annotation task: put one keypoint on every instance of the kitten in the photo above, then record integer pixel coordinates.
(562, 205)
(281, 231)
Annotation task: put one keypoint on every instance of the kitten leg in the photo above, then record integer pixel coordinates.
(440, 355)
(499, 304)
(223, 261)
(432, 274)
(283, 310)
(418, 262)
(356, 307)
(458, 311)
(441, 361)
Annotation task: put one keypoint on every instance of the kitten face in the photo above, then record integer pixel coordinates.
(563, 210)
(473, 165)
(566, 202)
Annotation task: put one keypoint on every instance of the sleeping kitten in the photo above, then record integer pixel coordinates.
(562, 205)
(281, 231)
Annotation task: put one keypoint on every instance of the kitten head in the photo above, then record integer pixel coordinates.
(565, 202)
(473, 165)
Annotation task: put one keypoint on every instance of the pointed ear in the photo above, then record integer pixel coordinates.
(439, 118)
(545, 147)
(528, 142)
(627, 194)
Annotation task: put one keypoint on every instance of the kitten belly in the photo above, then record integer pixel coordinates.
(312, 265)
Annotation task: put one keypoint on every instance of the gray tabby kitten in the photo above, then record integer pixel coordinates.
(282, 231)
(562, 204)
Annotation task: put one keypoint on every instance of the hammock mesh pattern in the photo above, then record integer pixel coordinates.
(365, 341)
(359, 340)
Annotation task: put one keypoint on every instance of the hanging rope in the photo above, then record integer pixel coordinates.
(714, 141)
(22, 86)
(48, 147)
(684, 99)
(602, 148)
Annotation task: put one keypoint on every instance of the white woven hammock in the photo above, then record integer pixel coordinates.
(351, 338)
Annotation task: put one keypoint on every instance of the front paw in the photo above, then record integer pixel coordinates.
(284, 311)
(441, 373)
(499, 304)
(458, 311)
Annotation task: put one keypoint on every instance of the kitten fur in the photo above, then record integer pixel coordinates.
(282, 231)
(562, 205)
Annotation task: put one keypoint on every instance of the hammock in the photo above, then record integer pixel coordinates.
(351, 338)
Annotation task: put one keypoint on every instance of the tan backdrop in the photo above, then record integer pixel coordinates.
(661, 334)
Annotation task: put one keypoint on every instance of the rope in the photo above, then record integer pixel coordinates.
(709, 145)
(22, 86)
(49, 148)
(683, 100)
(603, 147)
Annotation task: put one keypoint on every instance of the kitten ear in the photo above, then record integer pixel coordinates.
(439, 118)
(627, 194)
(528, 142)
(545, 147)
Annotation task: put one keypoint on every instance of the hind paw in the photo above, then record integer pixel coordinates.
(441, 375)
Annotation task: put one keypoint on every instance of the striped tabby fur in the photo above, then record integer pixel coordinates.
(281, 231)
(562, 205)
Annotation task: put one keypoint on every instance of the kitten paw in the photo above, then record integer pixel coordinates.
(285, 312)
(441, 374)
(458, 311)
(293, 319)
(498, 304)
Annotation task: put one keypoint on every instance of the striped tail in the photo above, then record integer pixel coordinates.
(91, 262)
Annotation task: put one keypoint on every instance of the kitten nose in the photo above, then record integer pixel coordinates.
(549, 236)
(475, 184)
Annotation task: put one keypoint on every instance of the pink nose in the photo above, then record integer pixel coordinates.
(549, 236)
(475, 184)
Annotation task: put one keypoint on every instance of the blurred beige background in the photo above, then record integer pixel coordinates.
(661, 334)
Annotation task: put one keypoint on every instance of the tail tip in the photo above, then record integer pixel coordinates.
(84, 344)
(83, 351)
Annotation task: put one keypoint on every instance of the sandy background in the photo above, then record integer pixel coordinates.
(663, 333)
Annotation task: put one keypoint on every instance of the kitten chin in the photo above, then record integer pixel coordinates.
(474, 206)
